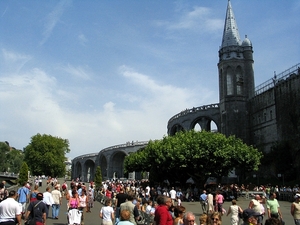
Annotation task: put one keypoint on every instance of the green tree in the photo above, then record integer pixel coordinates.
(193, 154)
(14, 159)
(4, 149)
(98, 177)
(23, 175)
(45, 154)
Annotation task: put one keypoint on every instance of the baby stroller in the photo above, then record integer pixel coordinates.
(74, 217)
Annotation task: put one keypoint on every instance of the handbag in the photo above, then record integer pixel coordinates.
(31, 220)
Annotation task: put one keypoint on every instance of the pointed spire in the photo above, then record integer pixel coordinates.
(231, 34)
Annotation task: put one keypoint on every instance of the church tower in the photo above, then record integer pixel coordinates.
(236, 79)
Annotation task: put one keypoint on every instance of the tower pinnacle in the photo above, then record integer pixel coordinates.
(231, 34)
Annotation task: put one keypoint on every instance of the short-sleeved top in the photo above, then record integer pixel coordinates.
(106, 212)
(219, 198)
(203, 197)
(9, 208)
(273, 205)
(23, 192)
(37, 208)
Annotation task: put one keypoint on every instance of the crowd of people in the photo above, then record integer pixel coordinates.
(33, 206)
(262, 206)
(128, 202)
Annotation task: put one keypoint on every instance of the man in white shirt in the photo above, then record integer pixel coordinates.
(48, 200)
(10, 210)
(56, 195)
(147, 192)
(173, 195)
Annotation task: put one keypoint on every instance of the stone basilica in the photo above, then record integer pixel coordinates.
(261, 116)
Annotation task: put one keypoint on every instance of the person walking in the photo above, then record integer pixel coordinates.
(219, 202)
(10, 211)
(134, 213)
(203, 201)
(295, 209)
(234, 210)
(273, 207)
(107, 213)
(91, 198)
(47, 199)
(34, 193)
(56, 195)
(83, 199)
(23, 197)
(121, 197)
(210, 203)
(257, 205)
(37, 210)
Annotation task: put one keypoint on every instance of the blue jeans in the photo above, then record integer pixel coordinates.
(55, 210)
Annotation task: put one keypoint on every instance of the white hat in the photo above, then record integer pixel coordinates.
(297, 196)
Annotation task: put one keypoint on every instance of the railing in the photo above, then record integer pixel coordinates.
(193, 110)
(132, 143)
(86, 155)
(277, 78)
(7, 174)
(283, 195)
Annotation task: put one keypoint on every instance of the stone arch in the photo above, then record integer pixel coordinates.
(206, 123)
(89, 168)
(117, 164)
(176, 128)
(78, 170)
(104, 166)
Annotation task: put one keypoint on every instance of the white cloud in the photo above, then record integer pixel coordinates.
(78, 71)
(13, 61)
(199, 19)
(53, 18)
(32, 101)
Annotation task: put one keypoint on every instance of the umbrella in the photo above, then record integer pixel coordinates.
(210, 181)
(190, 181)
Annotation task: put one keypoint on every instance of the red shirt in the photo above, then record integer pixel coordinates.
(163, 216)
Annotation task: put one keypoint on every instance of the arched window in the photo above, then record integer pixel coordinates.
(229, 81)
(239, 81)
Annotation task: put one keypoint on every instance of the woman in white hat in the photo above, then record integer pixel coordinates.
(295, 209)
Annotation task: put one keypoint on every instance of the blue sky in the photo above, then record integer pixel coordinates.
(101, 73)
